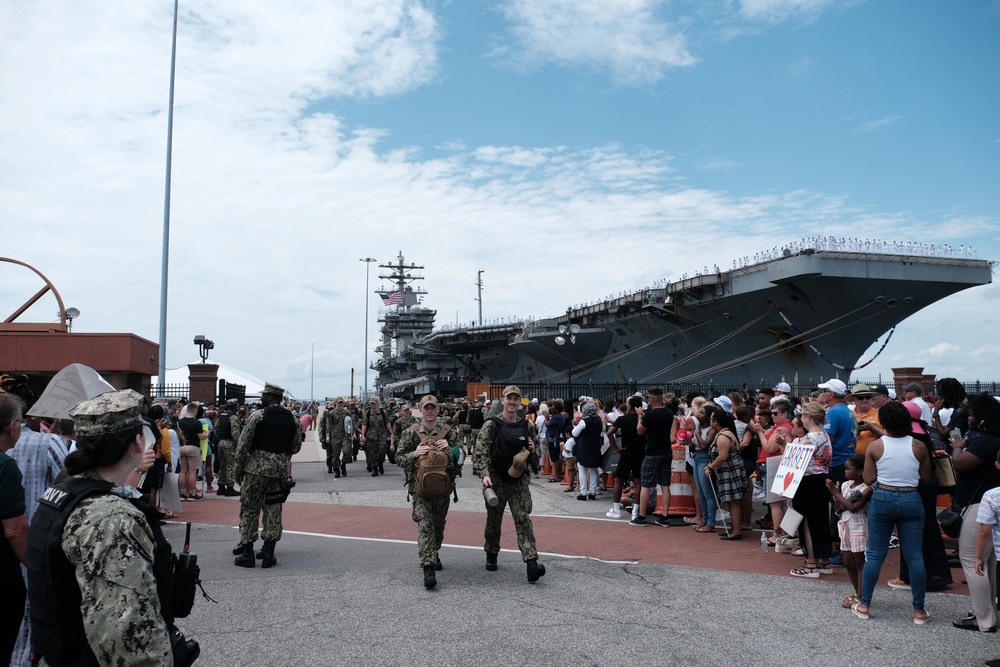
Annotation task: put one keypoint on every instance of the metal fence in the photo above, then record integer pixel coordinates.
(620, 391)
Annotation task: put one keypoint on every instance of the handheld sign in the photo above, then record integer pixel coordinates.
(791, 469)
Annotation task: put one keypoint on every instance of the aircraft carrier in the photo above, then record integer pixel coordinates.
(801, 313)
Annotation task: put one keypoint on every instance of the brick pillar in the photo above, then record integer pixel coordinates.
(204, 379)
(904, 376)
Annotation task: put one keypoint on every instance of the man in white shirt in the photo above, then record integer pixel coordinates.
(914, 392)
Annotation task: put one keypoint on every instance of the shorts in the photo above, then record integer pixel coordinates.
(853, 534)
(656, 470)
(629, 467)
(190, 457)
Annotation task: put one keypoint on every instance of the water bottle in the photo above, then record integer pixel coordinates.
(763, 541)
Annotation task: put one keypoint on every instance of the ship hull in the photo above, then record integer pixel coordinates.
(803, 318)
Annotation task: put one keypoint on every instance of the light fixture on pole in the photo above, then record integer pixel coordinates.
(368, 264)
(562, 339)
(71, 314)
(204, 345)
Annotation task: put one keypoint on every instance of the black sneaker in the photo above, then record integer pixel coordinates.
(430, 581)
(638, 521)
(661, 521)
(491, 562)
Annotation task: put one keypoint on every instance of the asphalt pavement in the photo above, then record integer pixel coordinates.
(347, 590)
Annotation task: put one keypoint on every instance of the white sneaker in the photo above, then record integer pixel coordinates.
(613, 514)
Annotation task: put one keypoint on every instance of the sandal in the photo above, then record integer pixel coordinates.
(970, 624)
(850, 601)
(863, 615)
(691, 521)
(807, 571)
(824, 568)
(705, 529)
(921, 620)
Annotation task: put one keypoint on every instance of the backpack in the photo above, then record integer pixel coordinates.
(432, 473)
(510, 440)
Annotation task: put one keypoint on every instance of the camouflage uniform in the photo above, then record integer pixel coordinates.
(464, 430)
(376, 432)
(474, 432)
(517, 492)
(402, 423)
(430, 514)
(110, 544)
(227, 448)
(264, 474)
(338, 450)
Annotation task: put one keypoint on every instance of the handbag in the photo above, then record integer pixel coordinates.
(944, 469)
(950, 519)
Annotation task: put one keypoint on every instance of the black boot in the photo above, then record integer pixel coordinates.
(430, 581)
(267, 555)
(535, 570)
(491, 562)
(329, 469)
(375, 472)
(246, 559)
(343, 470)
(438, 566)
(238, 549)
(336, 473)
(381, 470)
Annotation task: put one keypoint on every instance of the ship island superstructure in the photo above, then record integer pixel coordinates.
(803, 312)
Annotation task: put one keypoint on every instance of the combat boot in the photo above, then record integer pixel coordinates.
(238, 549)
(343, 470)
(267, 555)
(430, 581)
(246, 558)
(329, 470)
(535, 570)
(491, 562)
(381, 470)
(437, 565)
(336, 473)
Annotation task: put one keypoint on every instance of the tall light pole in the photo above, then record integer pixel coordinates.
(567, 334)
(162, 372)
(312, 371)
(479, 286)
(368, 265)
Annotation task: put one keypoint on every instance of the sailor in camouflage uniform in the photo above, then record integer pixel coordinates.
(263, 468)
(375, 430)
(515, 491)
(228, 430)
(430, 514)
(404, 420)
(335, 438)
(108, 543)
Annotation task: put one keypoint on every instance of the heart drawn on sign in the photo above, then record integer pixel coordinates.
(788, 480)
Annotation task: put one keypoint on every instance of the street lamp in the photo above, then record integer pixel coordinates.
(204, 345)
(562, 339)
(368, 265)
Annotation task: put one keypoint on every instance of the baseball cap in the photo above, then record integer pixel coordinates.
(511, 389)
(836, 386)
(783, 387)
(880, 389)
(428, 400)
(110, 412)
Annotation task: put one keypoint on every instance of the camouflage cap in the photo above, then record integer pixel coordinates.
(272, 389)
(110, 412)
(232, 403)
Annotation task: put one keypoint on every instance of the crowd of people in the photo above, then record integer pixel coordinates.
(877, 464)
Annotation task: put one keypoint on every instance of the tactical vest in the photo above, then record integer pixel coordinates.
(275, 431)
(476, 419)
(55, 600)
(511, 438)
(223, 428)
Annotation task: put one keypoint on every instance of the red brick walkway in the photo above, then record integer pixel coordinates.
(567, 536)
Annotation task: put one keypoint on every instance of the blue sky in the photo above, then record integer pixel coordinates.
(307, 137)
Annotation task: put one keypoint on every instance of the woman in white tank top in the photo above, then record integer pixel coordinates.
(894, 464)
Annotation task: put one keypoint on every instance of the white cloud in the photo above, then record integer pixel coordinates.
(626, 39)
(776, 11)
(877, 124)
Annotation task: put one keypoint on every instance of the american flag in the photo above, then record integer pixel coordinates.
(391, 298)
